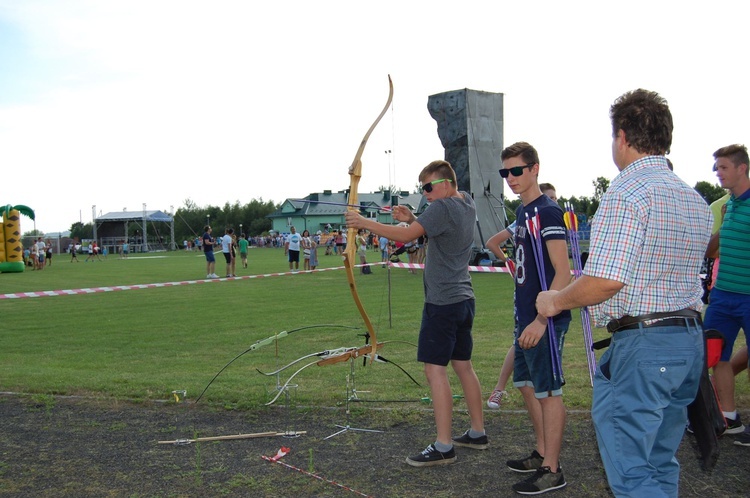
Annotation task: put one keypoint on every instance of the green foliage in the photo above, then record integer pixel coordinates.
(581, 205)
(601, 185)
(190, 218)
(710, 192)
(511, 205)
(80, 231)
(33, 233)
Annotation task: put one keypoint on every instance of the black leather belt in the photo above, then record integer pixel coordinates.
(661, 319)
(669, 322)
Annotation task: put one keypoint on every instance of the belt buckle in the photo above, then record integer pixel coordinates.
(613, 326)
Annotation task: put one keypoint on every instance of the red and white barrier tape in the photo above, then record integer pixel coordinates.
(95, 290)
(284, 451)
(479, 269)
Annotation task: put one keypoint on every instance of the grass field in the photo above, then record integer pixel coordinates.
(143, 344)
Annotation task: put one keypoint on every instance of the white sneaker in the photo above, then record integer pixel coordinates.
(495, 399)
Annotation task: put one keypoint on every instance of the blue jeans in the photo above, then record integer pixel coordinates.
(642, 387)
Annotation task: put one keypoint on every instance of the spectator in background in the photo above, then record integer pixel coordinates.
(306, 244)
(41, 253)
(340, 243)
(314, 253)
(361, 243)
(35, 255)
(208, 250)
(227, 249)
(383, 243)
(48, 253)
(291, 248)
(244, 244)
(90, 251)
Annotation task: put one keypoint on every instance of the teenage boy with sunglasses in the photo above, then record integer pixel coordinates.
(448, 314)
(533, 373)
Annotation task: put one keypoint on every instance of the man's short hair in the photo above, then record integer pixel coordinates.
(206, 228)
(528, 153)
(645, 118)
(547, 186)
(736, 153)
(442, 169)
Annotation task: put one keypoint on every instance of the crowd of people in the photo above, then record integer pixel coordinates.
(231, 247)
(38, 255)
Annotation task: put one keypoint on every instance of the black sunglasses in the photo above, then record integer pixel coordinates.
(427, 187)
(515, 171)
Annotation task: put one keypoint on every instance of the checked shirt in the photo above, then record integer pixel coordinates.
(650, 233)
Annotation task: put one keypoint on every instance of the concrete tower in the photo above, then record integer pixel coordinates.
(470, 127)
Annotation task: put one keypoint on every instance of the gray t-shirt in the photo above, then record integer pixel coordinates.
(449, 224)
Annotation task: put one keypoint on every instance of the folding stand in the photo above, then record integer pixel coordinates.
(290, 431)
(351, 395)
(180, 397)
(289, 419)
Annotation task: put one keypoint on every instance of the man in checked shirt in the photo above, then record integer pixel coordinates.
(647, 244)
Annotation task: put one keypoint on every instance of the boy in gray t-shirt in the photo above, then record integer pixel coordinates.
(448, 314)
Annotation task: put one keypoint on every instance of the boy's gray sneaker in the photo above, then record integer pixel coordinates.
(542, 481)
(529, 464)
(478, 443)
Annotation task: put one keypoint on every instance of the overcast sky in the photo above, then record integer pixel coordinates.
(119, 103)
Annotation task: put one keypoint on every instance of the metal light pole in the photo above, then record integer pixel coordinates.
(93, 221)
(144, 241)
(388, 153)
(173, 245)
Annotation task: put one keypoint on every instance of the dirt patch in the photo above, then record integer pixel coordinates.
(66, 447)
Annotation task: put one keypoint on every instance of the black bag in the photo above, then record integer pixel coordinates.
(704, 413)
(366, 270)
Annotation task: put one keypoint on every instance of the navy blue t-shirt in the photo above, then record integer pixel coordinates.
(527, 277)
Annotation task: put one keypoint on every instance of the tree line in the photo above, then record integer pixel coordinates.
(587, 206)
(190, 219)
